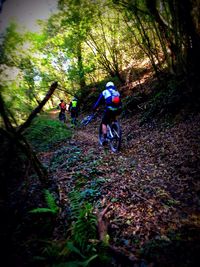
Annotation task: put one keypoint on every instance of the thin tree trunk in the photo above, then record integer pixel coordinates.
(80, 66)
(38, 108)
(15, 135)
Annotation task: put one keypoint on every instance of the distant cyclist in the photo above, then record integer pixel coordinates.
(62, 107)
(111, 97)
(74, 109)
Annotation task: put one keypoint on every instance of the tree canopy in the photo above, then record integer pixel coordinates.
(87, 41)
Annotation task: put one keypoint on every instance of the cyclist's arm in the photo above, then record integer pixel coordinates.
(100, 99)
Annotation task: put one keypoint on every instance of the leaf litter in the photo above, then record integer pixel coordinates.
(152, 185)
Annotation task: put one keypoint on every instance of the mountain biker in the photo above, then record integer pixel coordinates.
(73, 109)
(62, 107)
(111, 97)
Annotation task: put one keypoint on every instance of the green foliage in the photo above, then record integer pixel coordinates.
(90, 193)
(87, 41)
(52, 207)
(75, 204)
(65, 157)
(72, 248)
(44, 133)
(84, 228)
(52, 251)
(78, 250)
(11, 42)
(61, 253)
(85, 222)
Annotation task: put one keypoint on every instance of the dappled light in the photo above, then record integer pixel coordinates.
(100, 131)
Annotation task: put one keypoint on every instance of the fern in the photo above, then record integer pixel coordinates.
(74, 249)
(51, 202)
(52, 207)
(85, 227)
(75, 203)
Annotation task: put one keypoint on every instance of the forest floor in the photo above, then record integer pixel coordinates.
(151, 187)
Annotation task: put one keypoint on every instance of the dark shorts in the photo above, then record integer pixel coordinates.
(74, 112)
(110, 115)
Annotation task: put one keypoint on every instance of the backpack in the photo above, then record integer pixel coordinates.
(62, 105)
(74, 104)
(116, 100)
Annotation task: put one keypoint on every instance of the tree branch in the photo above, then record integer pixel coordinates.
(38, 108)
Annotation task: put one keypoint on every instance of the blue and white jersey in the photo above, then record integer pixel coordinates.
(107, 95)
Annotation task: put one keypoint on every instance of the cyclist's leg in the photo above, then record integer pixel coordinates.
(59, 115)
(105, 121)
(76, 116)
(72, 116)
(62, 116)
(65, 119)
(103, 129)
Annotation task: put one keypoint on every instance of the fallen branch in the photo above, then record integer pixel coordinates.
(121, 254)
(103, 224)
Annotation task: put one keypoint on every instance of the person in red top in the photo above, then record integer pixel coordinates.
(62, 107)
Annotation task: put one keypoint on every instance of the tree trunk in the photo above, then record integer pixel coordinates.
(15, 135)
(38, 108)
(80, 66)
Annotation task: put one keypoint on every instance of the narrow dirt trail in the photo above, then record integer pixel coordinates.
(151, 185)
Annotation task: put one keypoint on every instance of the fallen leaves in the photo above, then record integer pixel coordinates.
(152, 186)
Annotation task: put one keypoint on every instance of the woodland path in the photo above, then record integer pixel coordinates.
(152, 185)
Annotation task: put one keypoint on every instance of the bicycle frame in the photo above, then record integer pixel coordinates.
(109, 132)
(113, 135)
(112, 132)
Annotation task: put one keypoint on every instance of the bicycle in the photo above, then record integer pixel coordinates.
(114, 133)
(85, 121)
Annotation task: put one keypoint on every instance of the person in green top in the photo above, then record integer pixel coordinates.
(73, 109)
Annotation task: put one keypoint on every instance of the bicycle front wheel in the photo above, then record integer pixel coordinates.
(115, 140)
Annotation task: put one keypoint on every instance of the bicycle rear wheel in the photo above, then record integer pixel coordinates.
(115, 139)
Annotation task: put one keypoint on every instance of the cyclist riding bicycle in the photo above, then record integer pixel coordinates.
(111, 97)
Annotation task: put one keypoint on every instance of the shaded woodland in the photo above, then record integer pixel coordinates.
(65, 201)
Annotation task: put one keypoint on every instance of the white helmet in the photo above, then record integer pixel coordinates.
(110, 85)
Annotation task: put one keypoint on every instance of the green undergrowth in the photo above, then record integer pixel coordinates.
(44, 133)
(78, 244)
